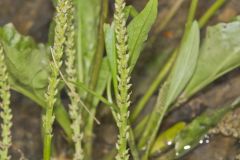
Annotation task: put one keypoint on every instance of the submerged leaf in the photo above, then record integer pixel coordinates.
(139, 28)
(219, 54)
(189, 137)
(167, 138)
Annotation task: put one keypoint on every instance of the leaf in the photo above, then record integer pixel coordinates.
(28, 69)
(130, 11)
(87, 19)
(85, 88)
(189, 137)
(139, 28)
(110, 43)
(219, 54)
(167, 138)
(185, 64)
(102, 80)
(27, 61)
(100, 87)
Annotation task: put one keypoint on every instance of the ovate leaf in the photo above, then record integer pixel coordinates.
(27, 61)
(139, 28)
(28, 68)
(219, 54)
(185, 64)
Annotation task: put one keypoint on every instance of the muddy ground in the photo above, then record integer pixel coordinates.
(32, 17)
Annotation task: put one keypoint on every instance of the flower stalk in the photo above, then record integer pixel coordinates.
(74, 109)
(123, 96)
(6, 113)
(56, 63)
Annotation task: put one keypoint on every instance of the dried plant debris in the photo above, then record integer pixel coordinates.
(229, 126)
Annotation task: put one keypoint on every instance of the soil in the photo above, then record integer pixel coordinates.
(33, 17)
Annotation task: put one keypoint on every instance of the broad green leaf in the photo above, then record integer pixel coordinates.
(185, 64)
(110, 43)
(219, 54)
(28, 69)
(87, 19)
(27, 61)
(189, 137)
(139, 28)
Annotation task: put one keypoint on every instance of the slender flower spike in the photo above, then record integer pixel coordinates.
(74, 108)
(5, 114)
(60, 19)
(123, 96)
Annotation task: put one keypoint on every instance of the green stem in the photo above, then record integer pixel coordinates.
(191, 16)
(123, 70)
(6, 112)
(97, 61)
(53, 83)
(164, 22)
(210, 12)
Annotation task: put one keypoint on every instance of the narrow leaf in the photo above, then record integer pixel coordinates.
(139, 28)
(185, 64)
(87, 19)
(130, 11)
(110, 43)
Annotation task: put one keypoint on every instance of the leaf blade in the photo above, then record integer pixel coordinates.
(185, 63)
(219, 54)
(139, 28)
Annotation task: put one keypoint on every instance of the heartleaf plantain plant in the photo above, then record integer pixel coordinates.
(74, 61)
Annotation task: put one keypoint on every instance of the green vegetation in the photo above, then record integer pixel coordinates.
(74, 61)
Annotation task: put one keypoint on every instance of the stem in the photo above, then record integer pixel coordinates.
(6, 112)
(210, 12)
(123, 70)
(163, 23)
(74, 109)
(191, 15)
(52, 90)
